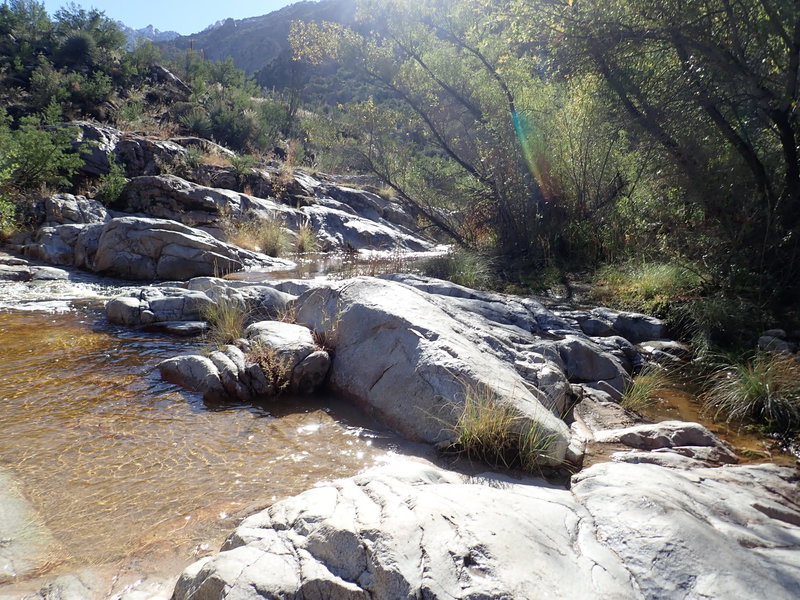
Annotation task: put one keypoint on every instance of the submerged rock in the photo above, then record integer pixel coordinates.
(26, 546)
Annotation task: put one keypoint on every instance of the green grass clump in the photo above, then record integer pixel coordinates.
(648, 287)
(644, 389)
(764, 389)
(227, 320)
(493, 432)
(462, 267)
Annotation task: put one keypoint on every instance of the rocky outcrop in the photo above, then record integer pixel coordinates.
(101, 146)
(622, 531)
(158, 305)
(411, 357)
(280, 357)
(139, 248)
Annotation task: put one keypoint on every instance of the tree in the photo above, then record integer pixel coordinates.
(456, 91)
(712, 85)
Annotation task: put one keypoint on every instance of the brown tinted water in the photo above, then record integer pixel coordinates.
(117, 462)
(681, 404)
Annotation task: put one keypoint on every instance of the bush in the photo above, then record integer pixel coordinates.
(8, 218)
(493, 432)
(32, 156)
(765, 389)
(462, 267)
(112, 185)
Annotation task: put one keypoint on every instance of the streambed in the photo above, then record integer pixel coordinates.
(120, 465)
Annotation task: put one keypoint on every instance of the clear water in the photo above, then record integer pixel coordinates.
(119, 464)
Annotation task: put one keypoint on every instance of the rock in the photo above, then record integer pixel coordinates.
(140, 248)
(413, 531)
(261, 300)
(294, 348)
(170, 197)
(153, 306)
(309, 374)
(666, 434)
(179, 328)
(730, 532)
(195, 373)
(55, 245)
(778, 333)
(633, 327)
(585, 362)
(410, 357)
(15, 273)
(95, 143)
(337, 229)
(203, 145)
(408, 530)
(49, 274)
(774, 344)
(26, 546)
(66, 209)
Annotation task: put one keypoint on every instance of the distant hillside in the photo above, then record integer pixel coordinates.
(255, 44)
(146, 33)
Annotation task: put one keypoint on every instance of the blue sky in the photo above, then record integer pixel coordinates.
(183, 16)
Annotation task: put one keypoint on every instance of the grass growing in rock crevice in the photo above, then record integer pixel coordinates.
(227, 320)
(643, 390)
(493, 432)
(261, 235)
(764, 389)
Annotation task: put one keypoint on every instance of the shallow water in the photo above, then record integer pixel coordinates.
(118, 463)
(682, 405)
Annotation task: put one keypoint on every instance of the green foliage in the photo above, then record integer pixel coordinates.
(463, 267)
(112, 185)
(645, 388)
(765, 389)
(8, 217)
(33, 156)
(243, 164)
(649, 287)
(493, 432)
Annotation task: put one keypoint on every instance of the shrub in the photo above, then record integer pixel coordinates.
(277, 369)
(644, 389)
(8, 218)
(32, 156)
(765, 389)
(243, 165)
(112, 184)
(494, 433)
(463, 267)
(227, 320)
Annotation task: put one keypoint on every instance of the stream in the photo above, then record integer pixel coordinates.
(121, 466)
(130, 473)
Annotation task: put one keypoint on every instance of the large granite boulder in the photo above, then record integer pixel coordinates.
(622, 531)
(142, 248)
(171, 197)
(411, 358)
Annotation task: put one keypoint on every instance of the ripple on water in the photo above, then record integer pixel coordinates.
(119, 463)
